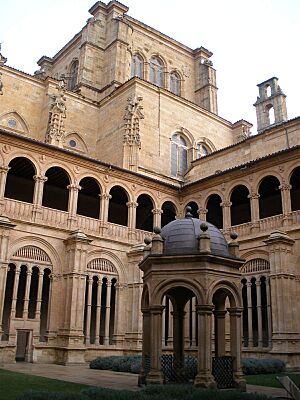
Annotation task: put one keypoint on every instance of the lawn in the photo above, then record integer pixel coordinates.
(15, 383)
(270, 379)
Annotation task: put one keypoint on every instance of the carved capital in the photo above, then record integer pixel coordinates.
(157, 211)
(226, 203)
(285, 186)
(40, 178)
(253, 195)
(132, 204)
(74, 187)
(4, 169)
(105, 196)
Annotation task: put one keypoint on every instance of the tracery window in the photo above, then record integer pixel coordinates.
(179, 155)
(156, 71)
(202, 150)
(73, 75)
(175, 83)
(137, 66)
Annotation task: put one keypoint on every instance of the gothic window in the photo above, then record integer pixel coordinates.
(179, 155)
(175, 83)
(73, 75)
(137, 65)
(202, 150)
(156, 71)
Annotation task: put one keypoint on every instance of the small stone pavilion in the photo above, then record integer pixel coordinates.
(191, 259)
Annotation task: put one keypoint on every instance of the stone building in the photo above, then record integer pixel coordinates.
(115, 134)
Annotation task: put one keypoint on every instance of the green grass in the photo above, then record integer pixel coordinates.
(270, 379)
(15, 383)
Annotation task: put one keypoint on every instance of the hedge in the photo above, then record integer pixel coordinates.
(118, 363)
(254, 366)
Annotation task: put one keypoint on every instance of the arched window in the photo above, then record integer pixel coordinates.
(215, 211)
(202, 150)
(56, 193)
(19, 181)
(72, 82)
(137, 66)
(179, 155)
(156, 71)
(271, 114)
(118, 210)
(175, 83)
(89, 198)
(269, 197)
(144, 215)
(169, 213)
(194, 209)
(295, 190)
(240, 208)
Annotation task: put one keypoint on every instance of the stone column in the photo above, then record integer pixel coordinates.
(164, 322)
(155, 374)
(104, 205)
(98, 312)
(259, 311)
(120, 327)
(170, 335)
(38, 193)
(254, 205)
(107, 313)
(157, 217)
(3, 175)
(220, 338)
(146, 346)
(39, 296)
(194, 321)
(269, 311)
(27, 289)
(226, 214)
(236, 345)
(5, 230)
(249, 309)
(72, 207)
(286, 203)
(179, 336)
(204, 377)
(15, 291)
(202, 213)
(88, 310)
(132, 206)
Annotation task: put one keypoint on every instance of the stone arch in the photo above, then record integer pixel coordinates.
(103, 266)
(20, 123)
(111, 258)
(214, 210)
(205, 140)
(20, 180)
(194, 208)
(144, 215)
(74, 141)
(270, 200)
(145, 300)
(229, 289)
(88, 202)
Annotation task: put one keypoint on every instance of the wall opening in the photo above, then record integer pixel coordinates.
(118, 210)
(214, 211)
(89, 198)
(295, 190)
(56, 193)
(19, 181)
(169, 213)
(240, 208)
(270, 197)
(144, 215)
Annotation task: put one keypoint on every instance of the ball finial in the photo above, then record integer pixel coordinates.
(188, 213)
(156, 230)
(203, 227)
(147, 240)
(233, 235)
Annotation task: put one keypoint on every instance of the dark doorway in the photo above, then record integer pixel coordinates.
(23, 352)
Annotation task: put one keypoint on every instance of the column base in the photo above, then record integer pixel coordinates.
(239, 381)
(205, 381)
(154, 378)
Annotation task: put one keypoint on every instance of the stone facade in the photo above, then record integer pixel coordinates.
(116, 134)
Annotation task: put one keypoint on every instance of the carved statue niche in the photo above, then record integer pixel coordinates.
(55, 131)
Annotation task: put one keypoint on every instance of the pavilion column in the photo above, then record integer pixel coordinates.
(98, 310)
(236, 345)
(170, 320)
(164, 322)
(226, 214)
(38, 193)
(187, 324)
(3, 175)
(157, 212)
(88, 310)
(202, 213)
(179, 336)
(39, 296)
(15, 291)
(72, 207)
(254, 206)
(27, 289)
(249, 310)
(269, 311)
(146, 346)
(155, 374)
(286, 202)
(107, 312)
(204, 377)
(220, 338)
(259, 311)
(194, 321)
(132, 206)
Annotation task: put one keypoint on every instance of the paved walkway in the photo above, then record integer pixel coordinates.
(109, 379)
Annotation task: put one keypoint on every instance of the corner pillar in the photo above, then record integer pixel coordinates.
(155, 374)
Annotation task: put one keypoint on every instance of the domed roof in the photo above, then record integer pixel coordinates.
(181, 237)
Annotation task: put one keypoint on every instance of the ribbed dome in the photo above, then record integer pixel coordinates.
(181, 237)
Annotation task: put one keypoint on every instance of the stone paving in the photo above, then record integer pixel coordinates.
(109, 379)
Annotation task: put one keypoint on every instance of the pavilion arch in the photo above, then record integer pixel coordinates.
(270, 202)
(88, 203)
(20, 179)
(240, 205)
(144, 214)
(229, 289)
(122, 273)
(74, 141)
(40, 243)
(214, 210)
(118, 205)
(56, 192)
(145, 300)
(13, 120)
(295, 188)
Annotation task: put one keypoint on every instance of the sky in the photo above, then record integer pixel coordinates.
(251, 40)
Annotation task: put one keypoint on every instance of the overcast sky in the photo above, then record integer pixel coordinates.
(251, 40)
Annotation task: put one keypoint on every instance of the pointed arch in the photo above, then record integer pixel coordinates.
(74, 142)
(13, 120)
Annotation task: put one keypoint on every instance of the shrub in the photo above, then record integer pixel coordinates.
(35, 395)
(118, 363)
(254, 366)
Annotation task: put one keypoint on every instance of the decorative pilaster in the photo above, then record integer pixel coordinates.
(157, 212)
(56, 132)
(131, 138)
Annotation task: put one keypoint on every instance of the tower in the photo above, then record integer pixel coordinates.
(270, 104)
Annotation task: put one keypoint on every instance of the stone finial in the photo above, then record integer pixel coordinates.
(132, 117)
(188, 213)
(55, 132)
(204, 239)
(233, 245)
(147, 248)
(157, 242)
